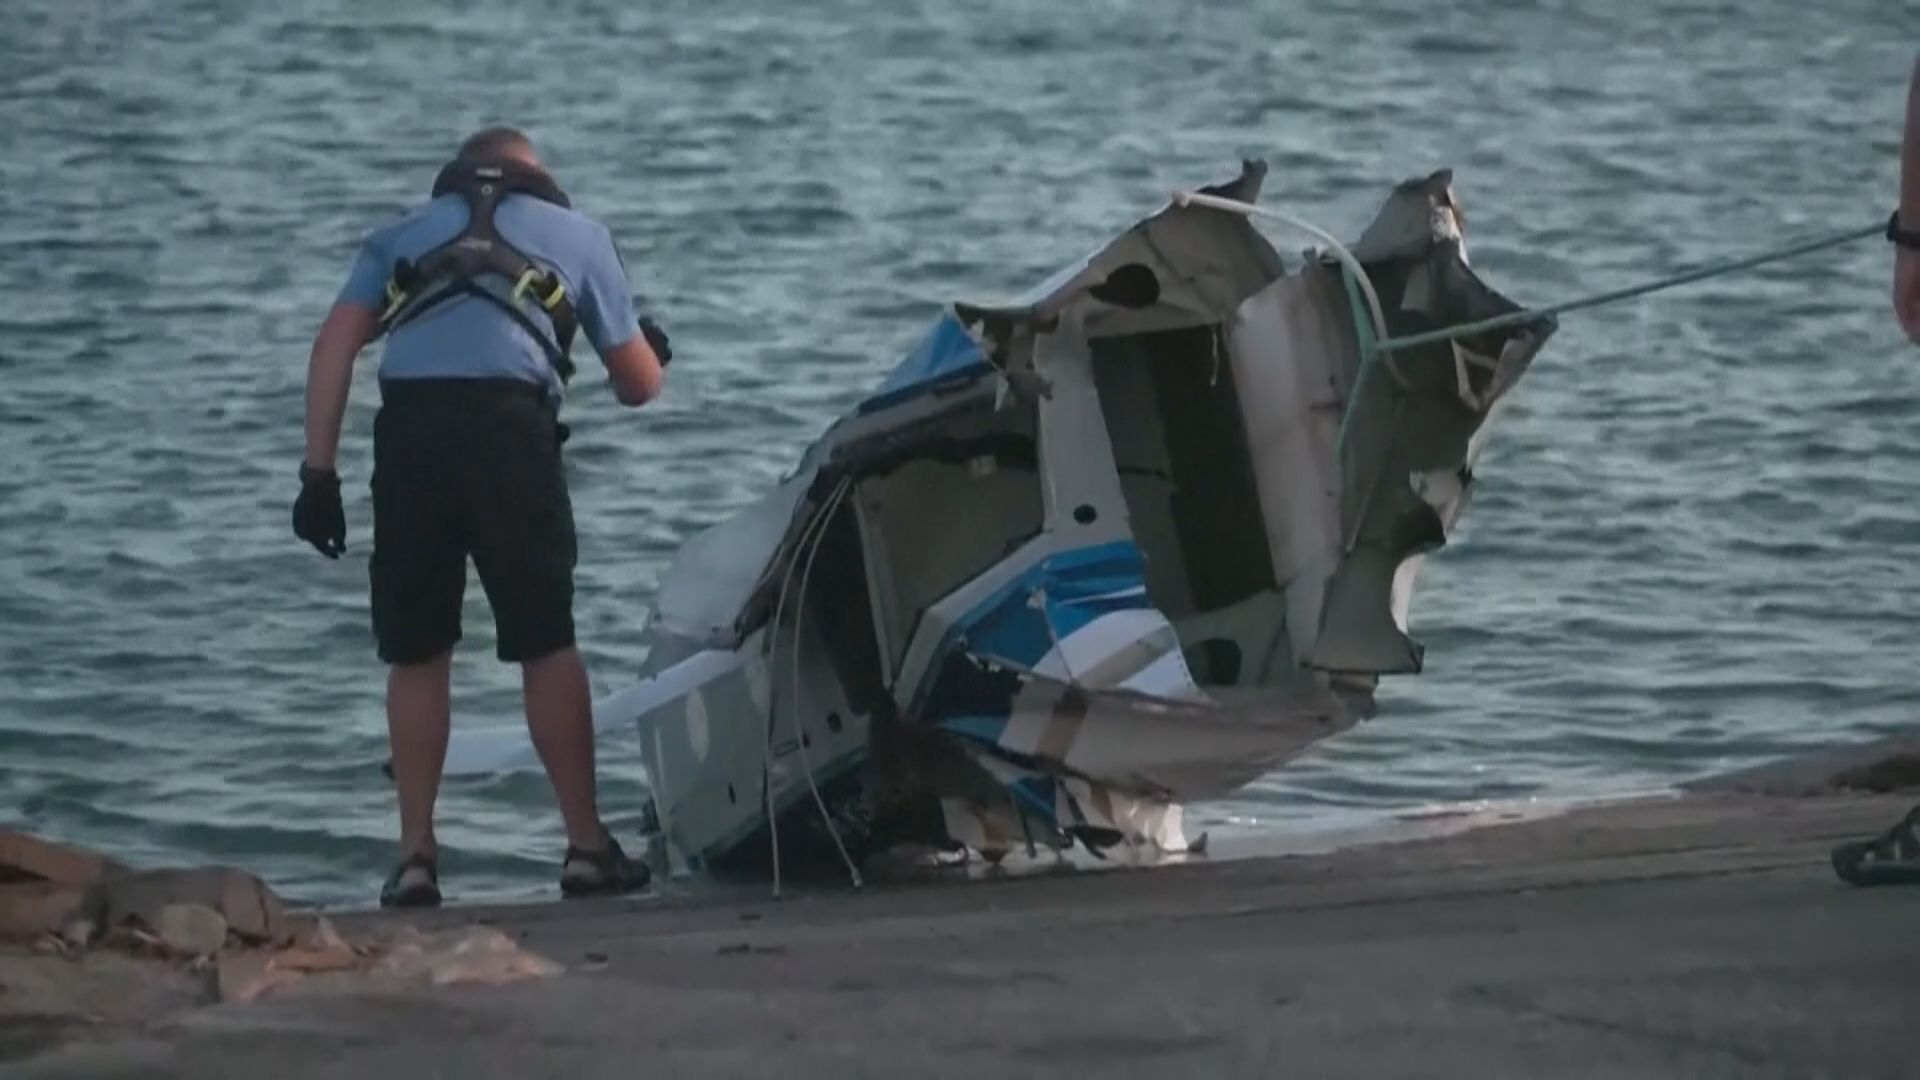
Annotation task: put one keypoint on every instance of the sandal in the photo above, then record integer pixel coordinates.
(1892, 858)
(414, 883)
(602, 873)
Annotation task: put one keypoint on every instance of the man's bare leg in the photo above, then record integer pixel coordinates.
(560, 719)
(419, 714)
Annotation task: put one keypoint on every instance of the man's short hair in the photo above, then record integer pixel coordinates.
(496, 142)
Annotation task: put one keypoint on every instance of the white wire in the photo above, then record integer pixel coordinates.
(1356, 271)
(773, 694)
(773, 687)
(1359, 272)
(799, 615)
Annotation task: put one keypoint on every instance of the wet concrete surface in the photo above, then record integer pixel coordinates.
(1691, 936)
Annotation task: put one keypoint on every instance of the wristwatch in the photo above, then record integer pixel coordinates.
(1906, 238)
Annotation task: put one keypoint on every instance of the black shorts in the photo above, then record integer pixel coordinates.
(469, 467)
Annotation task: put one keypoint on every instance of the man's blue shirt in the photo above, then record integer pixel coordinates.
(468, 337)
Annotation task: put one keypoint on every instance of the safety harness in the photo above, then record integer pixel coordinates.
(481, 263)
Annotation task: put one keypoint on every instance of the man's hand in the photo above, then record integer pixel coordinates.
(1906, 291)
(318, 517)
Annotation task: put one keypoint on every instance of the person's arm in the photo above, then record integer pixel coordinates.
(1906, 261)
(346, 330)
(353, 321)
(317, 514)
(635, 372)
(1910, 156)
(606, 313)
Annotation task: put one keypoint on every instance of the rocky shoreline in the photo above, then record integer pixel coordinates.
(87, 943)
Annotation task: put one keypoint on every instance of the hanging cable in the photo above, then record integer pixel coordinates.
(813, 531)
(773, 694)
(799, 712)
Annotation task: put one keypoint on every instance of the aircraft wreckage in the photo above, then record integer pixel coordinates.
(1131, 540)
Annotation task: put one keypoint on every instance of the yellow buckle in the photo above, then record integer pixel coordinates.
(530, 279)
(396, 296)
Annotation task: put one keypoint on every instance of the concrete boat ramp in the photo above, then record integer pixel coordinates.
(1695, 935)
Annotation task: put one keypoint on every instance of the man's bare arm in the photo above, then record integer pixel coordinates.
(347, 329)
(636, 372)
(1910, 157)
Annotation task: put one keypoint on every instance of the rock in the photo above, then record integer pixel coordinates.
(325, 936)
(487, 956)
(250, 908)
(313, 961)
(132, 937)
(79, 932)
(191, 930)
(321, 962)
(27, 858)
(317, 947)
(243, 977)
(30, 909)
(314, 932)
(476, 955)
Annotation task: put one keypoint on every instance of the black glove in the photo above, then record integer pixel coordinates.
(657, 340)
(318, 517)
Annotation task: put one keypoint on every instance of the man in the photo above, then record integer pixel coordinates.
(1894, 856)
(480, 290)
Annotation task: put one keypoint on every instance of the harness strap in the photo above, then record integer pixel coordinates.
(458, 268)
